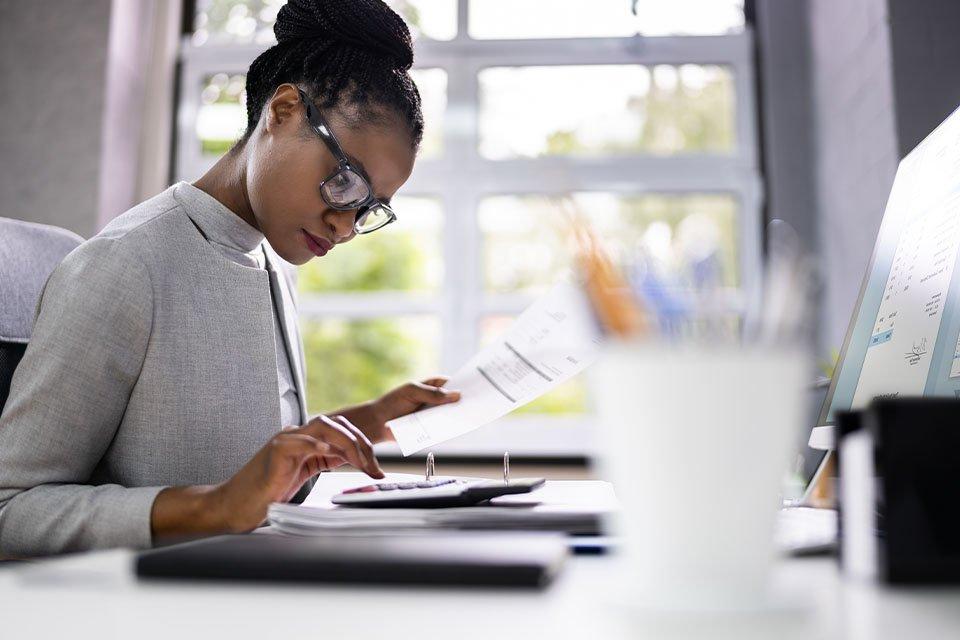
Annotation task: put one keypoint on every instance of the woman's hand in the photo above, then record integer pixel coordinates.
(373, 416)
(274, 474)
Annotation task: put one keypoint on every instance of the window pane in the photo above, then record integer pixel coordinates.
(403, 256)
(606, 110)
(569, 398)
(353, 361)
(245, 21)
(222, 115)
(684, 237)
(499, 19)
(235, 21)
(433, 19)
(432, 84)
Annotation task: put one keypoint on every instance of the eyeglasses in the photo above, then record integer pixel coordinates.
(346, 189)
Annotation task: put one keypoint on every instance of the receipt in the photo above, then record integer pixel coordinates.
(552, 340)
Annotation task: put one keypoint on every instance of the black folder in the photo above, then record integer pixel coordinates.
(467, 559)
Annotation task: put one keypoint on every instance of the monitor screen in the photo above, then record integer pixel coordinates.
(904, 337)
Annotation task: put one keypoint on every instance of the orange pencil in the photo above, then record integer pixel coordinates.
(619, 314)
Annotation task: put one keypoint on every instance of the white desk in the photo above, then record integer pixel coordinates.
(96, 596)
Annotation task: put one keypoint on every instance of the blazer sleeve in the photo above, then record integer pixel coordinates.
(67, 398)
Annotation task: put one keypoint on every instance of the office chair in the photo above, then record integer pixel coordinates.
(29, 252)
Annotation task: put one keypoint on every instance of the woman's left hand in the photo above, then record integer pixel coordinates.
(372, 417)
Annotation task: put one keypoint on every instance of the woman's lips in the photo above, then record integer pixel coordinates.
(319, 246)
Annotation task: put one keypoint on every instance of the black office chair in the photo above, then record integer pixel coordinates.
(29, 252)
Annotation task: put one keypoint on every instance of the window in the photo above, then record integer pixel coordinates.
(638, 113)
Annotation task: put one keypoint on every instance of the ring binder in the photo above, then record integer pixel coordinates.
(431, 467)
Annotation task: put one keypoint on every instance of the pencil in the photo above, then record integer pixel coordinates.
(619, 314)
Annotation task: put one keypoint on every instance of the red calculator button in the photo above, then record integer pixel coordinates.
(366, 489)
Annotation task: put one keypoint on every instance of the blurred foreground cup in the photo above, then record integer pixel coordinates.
(696, 440)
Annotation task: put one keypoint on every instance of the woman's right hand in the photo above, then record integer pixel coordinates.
(274, 474)
(284, 464)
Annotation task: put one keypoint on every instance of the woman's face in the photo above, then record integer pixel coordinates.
(287, 161)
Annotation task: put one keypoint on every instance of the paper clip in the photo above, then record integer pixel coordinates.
(506, 467)
(430, 467)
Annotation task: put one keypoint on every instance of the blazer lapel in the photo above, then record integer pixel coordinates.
(287, 309)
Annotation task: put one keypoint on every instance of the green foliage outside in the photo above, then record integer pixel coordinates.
(382, 261)
(220, 89)
(569, 398)
(349, 362)
(676, 119)
(215, 147)
(215, 15)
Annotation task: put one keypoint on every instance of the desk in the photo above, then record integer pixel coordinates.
(96, 596)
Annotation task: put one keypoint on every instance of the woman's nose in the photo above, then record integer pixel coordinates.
(342, 223)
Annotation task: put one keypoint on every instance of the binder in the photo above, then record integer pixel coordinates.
(525, 560)
(579, 507)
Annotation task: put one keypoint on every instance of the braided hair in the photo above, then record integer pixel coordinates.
(354, 53)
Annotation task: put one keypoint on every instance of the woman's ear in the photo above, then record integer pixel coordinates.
(284, 110)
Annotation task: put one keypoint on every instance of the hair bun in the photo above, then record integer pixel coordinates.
(368, 25)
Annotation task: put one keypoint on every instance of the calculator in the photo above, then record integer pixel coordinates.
(438, 492)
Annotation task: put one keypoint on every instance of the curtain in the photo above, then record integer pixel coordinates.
(139, 104)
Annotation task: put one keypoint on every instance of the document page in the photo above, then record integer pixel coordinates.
(908, 320)
(552, 340)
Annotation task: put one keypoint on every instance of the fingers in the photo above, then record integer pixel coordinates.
(436, 381)
(358, 434)
(432, 394)
(302, 448)
(345, 437)
(293, 459)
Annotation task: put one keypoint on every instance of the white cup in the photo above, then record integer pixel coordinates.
(696, 441)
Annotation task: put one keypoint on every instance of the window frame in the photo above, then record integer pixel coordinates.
(460, 178)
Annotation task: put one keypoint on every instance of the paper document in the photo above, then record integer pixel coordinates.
(573, 506)
(552, 340)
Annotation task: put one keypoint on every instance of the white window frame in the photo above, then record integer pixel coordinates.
(460, 177)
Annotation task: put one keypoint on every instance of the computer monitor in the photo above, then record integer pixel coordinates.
(904, 336)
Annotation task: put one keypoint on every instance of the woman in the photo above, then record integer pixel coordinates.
(165, 356)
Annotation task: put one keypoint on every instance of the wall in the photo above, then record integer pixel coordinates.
(855, 145)
(52, 71)
(783, 68)
(926, 72)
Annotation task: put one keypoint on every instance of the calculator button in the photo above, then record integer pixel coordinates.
(429, 484)
(367, 489)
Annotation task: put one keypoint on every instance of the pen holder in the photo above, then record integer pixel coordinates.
(697, 441)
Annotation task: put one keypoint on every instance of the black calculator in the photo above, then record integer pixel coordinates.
(437, 492)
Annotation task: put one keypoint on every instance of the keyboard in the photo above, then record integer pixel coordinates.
(437, 492)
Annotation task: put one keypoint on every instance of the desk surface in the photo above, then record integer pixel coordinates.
(96, 596)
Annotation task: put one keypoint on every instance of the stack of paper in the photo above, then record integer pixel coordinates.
(577, 507)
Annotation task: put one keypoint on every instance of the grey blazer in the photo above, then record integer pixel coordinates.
(152, 363)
